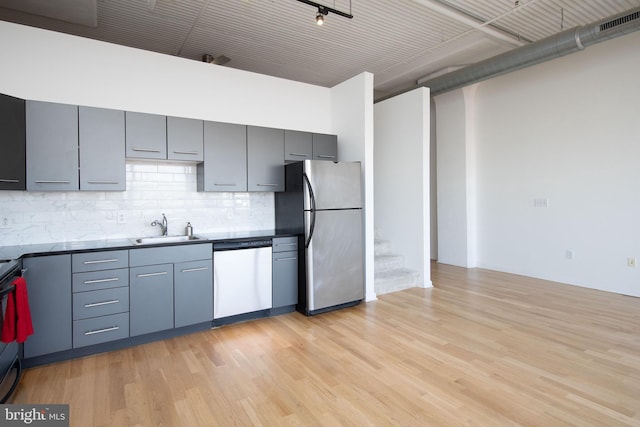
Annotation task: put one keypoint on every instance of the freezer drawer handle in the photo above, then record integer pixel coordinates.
(100, 261)
(104, 182)
(9, 180)
(286, 259)
(110, 279)
(99, 331)
(189, 270)
(159, 273)
(326, 156)
(146, 150)
(97, 304)
(193, 153)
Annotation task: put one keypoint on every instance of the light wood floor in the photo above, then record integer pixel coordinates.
(479, 349)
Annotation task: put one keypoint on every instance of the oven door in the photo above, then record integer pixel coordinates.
(10, 365)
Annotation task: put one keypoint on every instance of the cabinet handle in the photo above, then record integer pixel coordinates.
(286, 244)
(160, 273)
(286, 259)
(103, 182)
(225, 185)
(189, 270)
(299, 154)
(44, 181)
(91, 282)
(145, 150)
(326, 156)
(99, 331)
(193, 153)
(267, 185)
(13, 181)
(98, 304)
(100, 261)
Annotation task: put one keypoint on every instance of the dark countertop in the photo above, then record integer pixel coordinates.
(16, 252)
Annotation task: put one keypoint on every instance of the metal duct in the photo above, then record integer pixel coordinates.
(552, 47)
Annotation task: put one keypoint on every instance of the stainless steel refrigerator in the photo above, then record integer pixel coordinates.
(322, 202)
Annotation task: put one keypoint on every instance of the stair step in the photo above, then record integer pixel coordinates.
(381, 247)
(395, 280)
(387, 262)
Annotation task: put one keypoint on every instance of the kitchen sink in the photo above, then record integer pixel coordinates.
(164, 239)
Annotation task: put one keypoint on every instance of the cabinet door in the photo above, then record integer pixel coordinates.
(12, 140)
(184, 139)
(265, 159)
(285, 278)
(52, 146)
(325, 147)
(146, 135)
(102, 164)
(193, 292)
(297, 146)
(225, 158)
(150, 299)
(49, 285)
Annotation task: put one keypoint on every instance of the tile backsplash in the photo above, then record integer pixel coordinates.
(152, 189)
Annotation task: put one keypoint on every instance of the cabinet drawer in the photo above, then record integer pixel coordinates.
(100, 303)
(104, 260)
(96, 280)
(282, 244)
(100, 329)
(285, 278)
(170, 254)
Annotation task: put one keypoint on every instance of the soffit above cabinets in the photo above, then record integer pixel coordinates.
(399, 41)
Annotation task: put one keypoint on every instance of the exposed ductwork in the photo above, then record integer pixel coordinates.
(552, 47)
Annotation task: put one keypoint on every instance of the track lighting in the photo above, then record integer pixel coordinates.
(324, 10)
(320, 15)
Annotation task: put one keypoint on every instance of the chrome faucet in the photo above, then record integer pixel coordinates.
(164, 224)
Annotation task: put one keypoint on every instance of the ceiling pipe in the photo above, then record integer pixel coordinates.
(552, 47)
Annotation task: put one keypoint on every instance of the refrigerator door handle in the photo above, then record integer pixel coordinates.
(313, 210)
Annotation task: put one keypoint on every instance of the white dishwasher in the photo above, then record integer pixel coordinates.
(241, 277)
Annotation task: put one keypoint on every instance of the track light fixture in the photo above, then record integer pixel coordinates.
(324, 10)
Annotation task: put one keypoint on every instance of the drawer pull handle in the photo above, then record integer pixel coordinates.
(267, 185)
(286, 244)
(193, 153)
(299, 154)
(100, 261)
(103, 182)
(44, 181)
(91, 282)
(159, 273)
(13, 181)
(326, 156)
(98, 304)
(286, 259)
(99, 331)
(189, 270)
(225, 185)
(145, 150)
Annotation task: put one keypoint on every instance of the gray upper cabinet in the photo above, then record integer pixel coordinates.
(298, 146)
(102, 162)
(52, 146)
(265, 159)
(146, 135)
(325, 147)
(225, 158)
(184, 139)
(12, 140)
(49, 282)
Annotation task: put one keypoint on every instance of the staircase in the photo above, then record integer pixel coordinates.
(390, 274)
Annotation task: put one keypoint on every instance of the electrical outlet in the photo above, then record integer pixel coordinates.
(121, 218)
(631, 262)
(540, 203)
(569, 254)
(4, 222)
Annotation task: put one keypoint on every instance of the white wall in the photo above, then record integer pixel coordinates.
(402, 192)
(352, 116)
(566, 131)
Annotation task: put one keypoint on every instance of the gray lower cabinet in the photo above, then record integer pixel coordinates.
(225, 158)
(193, 292)
(102, 145)
(184, 139)
(49, 284)
(52, 146)
(265, 159)
(298, 146)
(285, 271)
(150, 299)
(325, 147)
(146, 135)
(12, 130)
